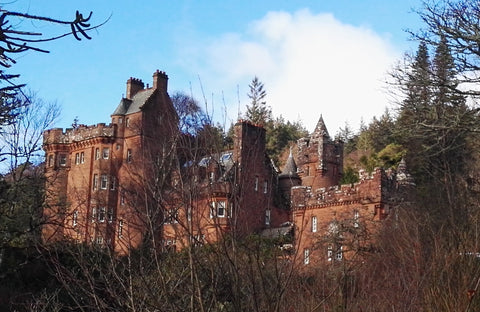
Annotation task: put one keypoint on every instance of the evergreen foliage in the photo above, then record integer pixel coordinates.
(258, 112)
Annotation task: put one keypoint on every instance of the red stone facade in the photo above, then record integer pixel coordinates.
(122, 185)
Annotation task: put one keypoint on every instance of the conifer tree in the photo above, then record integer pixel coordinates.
(258, 112)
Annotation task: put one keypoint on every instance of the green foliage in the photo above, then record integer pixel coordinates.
(280, 134)
(349, 176)
(258, 112)
(391, 155)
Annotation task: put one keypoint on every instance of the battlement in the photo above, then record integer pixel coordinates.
(373, 187)
(81, 133)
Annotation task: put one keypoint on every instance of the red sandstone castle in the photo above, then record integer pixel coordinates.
(122, 185)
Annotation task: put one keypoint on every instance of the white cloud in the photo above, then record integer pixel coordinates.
(311, 64)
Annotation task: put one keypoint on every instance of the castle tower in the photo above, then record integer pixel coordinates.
(288, 178)
(320, 159)
(99, 174)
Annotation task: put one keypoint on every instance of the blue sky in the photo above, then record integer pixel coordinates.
(314, 57)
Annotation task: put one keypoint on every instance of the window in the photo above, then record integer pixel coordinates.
(218, 209)
(267, 217)
(94, 214)
(97, 153)
(221, 209)
(122, 197)
(95, 181)
(314, 224)
(101, 214)
(120, 228)
(334, 253)
(339, 254)
(110, 215)
(99, 240)
(120, 120)
(127, 122)
(255, 186)
(63, 160)
(306, 256)
(104, 182)
(77, 159)
(75, 218)
(129, 155)
(106, 153)
(356, 217)
(82, 157)
(50, 160)
(265, 187)
(117, 147)
(211, 176)
(113, 183)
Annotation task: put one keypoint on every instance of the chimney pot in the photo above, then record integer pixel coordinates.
(160, 80)
(134, 85)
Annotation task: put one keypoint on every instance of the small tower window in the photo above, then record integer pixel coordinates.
(94, 214)
(95, 181)
(97, 153)
(120, 229)
(110, 215)
(306, 256)
(106, 153)
(75, 218)
(63, 160)
(101, 214)
(314, 224)
(104, 182)
(129, 155)
(82, 157)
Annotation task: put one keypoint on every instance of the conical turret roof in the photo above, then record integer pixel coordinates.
(320, 129)
(290, 169)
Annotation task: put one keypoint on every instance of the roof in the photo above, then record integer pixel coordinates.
(290, 169)
(134, 105)
(277, 232)
(320, 129)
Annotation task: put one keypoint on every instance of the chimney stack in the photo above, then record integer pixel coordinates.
(160, 80)
(133, 86)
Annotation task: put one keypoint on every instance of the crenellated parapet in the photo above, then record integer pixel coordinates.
(379, 186)
(81, 133)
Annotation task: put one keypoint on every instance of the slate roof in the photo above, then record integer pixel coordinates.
(134, 105)
(290, 169)
(320, 129)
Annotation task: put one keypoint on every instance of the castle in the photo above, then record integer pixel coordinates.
(122, 185)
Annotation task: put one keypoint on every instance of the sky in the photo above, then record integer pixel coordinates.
(317, 57)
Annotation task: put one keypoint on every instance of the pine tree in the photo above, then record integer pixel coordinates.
(258, 112)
